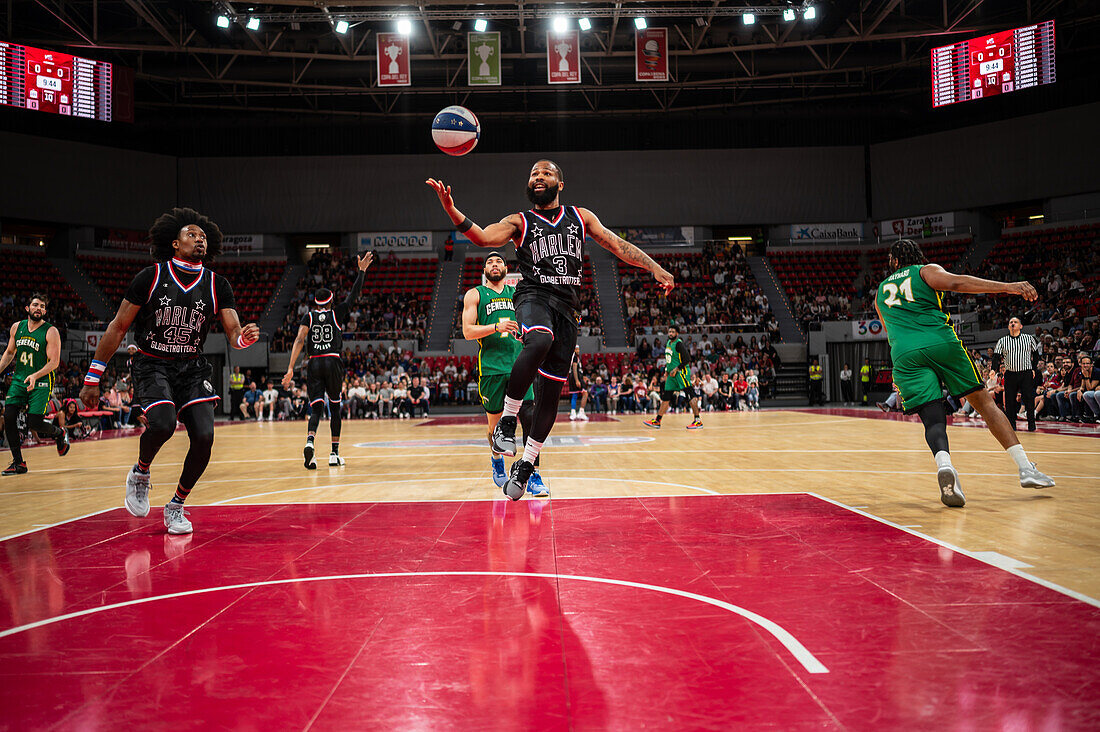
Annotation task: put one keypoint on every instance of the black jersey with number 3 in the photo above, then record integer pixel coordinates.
(326, 331)
(178, 303)
(550, 254)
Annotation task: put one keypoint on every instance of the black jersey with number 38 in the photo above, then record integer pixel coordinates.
(550, 254)
(326, 331)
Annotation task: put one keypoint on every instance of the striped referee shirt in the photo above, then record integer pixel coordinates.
(1017, 351)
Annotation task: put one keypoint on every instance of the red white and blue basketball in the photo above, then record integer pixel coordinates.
(456, 130)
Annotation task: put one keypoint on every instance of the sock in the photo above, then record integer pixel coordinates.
(309, 439)
(181, 495)
(657, 418)
(943, 459)
(511, 407)
(142, 466)
(336, 448)
(531, 451)
(1016, 452)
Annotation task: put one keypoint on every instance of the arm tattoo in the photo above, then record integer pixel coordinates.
(624, 250)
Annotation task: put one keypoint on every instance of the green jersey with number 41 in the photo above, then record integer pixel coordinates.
(30, 349)
(912, 312)
(497, 351)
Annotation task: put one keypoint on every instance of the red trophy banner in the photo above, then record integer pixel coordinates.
(393, 60)
(651, 54)
(563, 57)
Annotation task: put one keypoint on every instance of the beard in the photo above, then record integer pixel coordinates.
(542, 199)
(495, 275)
(35, 317)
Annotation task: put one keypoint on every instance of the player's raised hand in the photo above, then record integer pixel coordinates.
(250, 334)
(664, 279)
(1024, 290)
(365, 260)
(89, 394)
(444, 193)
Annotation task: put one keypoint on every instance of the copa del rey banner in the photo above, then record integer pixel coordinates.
(651, 54)
(393, 60)
(563, 57)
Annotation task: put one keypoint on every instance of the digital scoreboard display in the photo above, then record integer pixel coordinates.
(995, 64)
(48, 81)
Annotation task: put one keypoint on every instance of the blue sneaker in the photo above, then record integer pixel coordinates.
(536, 487)
(500, 476)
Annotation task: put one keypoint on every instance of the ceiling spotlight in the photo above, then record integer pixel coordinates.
(809, 13)
(404, 26)
(560, 24)
(480, 25)
(253, 24)
(223, 22)
(788, 14)
(341, 27)
(699, 21)
(640, 23)
(456, 26)
(585, 24)
(748, 18)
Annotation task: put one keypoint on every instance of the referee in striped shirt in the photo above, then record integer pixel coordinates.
(1019, 352)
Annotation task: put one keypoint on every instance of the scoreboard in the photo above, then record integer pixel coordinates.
(995, 64)
(48, 81)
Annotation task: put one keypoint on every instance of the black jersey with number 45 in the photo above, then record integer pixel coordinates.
(326, 331)
(550, 254)
(178, 303)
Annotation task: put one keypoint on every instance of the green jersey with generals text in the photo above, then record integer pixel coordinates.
(30, 350)
(912, 312)
(497, 351)
(675, 381)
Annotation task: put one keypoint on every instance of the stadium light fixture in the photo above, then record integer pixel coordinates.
(223, 22)
(738, 238)
(748, 18)
(788, 14)
(404, 26)
(341, 27)
(480, 25)
(640, 23)
(809, 13)
(253, 24)
(560, 24)
(317, 246)
(585, 24)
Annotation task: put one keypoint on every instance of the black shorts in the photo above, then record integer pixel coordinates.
(689, 393)
(179, 382)
(324, 375)
(537, 315)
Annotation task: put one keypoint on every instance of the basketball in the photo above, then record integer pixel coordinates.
(455, 130)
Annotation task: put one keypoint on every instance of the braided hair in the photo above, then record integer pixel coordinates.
(906, 252)
(166, 229)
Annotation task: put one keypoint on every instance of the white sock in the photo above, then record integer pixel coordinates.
(943, 459)
(1016, 452)
(511, 406)
(531, 451)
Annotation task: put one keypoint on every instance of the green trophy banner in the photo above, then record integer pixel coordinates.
(483, 59)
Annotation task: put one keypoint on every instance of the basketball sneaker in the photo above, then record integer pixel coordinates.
(504, 437)
(581, 416)
(62, 443)
(175, 519)
(16, 468)
(137, 492)
(335, 461)
(950, 492)
(572, 415)
(654, 423)
(517, 481)
(500, 477)
(1030, 477)
(536, 487)
(696, 424)
(310, 460)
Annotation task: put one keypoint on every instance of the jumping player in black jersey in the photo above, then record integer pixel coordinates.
(322, 333)
(174, 303)
(549, 241)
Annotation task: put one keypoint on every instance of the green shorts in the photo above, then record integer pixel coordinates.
(491, 387)
(922, 374)
(36, 400)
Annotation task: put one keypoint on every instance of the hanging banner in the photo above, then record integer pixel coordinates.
(483, 59)
(930, 225)
(651, 54)
(239, 243)
(396, 241)
(393, 60)
(842, 232)
(122, 240)
(563, 57)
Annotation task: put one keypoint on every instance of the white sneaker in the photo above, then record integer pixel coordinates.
(335, 460)
(1030, 477)
(581, 416)
(572, 415)
(950, 492)
(270, 418)
(137, 493)
(175, 519)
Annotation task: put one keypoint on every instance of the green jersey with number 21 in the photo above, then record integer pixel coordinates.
(913, 312)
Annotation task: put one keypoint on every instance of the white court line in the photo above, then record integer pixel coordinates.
(796, 649)
(43, 527)
(973, 555)
(501, 498)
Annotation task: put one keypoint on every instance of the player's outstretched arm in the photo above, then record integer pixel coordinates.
(493, 235)
(362, 263)
(299, 342)
(940, 279)
(9, 352)
(108, 344)
(238, 337)
(624, 250)
(471, 331)
(53, 357)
